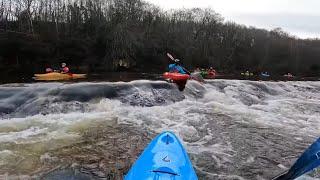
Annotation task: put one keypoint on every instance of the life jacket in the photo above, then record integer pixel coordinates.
(65, 69)
(176, 68)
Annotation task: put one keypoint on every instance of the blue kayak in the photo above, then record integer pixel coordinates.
(265, 75)
(164, 158)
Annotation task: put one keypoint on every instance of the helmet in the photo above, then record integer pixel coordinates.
(63, 64)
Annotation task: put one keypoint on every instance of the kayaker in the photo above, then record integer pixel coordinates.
(289, 75)
(175, 67)
(265, 74)
(211, 71)
(64, 68)
(49, 70)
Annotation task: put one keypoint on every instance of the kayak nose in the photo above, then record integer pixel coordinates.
(163, 158)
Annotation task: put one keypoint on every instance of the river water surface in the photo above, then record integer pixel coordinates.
(231, 129)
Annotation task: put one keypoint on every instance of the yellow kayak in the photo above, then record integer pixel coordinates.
(55, 76)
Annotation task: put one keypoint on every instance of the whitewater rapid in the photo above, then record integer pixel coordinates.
(232, 129)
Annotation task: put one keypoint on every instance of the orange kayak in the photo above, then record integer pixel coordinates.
(55, 76)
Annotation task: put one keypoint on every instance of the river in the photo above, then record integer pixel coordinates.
(232, 129)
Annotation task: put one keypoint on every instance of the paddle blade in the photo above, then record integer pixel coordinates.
(170, 56)
(308, 161)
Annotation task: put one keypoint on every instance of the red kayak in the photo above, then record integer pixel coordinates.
(176, 77)
(179, 79)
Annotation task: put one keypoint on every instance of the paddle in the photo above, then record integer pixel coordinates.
(170, 56)
(308, 161)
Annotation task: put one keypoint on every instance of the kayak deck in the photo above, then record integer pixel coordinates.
(55, 76)
(179, 79)
(176, 76)
(164, 158)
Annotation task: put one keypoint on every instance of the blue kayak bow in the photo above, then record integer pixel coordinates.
(308, 161)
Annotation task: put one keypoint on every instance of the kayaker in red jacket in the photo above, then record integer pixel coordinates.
(64, 68)
(212, 72)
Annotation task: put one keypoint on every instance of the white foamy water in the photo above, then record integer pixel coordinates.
(232, 129)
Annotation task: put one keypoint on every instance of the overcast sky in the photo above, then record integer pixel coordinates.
(298, 17)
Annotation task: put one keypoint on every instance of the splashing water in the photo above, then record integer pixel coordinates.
(231, 129)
